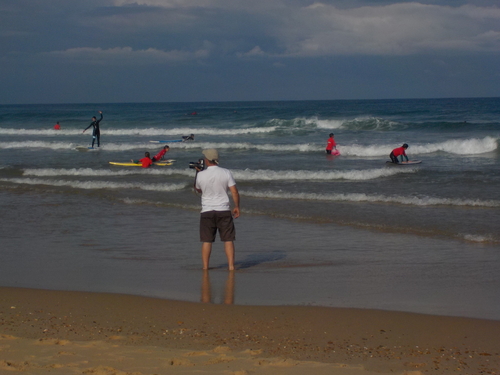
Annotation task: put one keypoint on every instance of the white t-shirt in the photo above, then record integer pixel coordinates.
(214, 183)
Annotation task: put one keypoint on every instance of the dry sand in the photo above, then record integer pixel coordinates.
(95, 333)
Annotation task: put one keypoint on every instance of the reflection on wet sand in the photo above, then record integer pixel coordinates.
(206, 288)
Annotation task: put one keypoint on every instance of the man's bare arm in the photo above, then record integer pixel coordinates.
(236, 199)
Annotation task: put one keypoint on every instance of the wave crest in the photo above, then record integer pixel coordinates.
(91, 185)
(361, 197)
(241, 175)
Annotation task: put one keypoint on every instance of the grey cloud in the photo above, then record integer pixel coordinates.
(259, 49)
(279, 28)
(124, 56)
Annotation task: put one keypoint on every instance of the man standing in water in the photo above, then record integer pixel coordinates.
(96, 133)
(213, 184)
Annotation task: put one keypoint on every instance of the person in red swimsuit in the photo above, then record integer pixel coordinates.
(145, 161)
(331, 144)
(57, 126)
(159, 156)
(400, 151)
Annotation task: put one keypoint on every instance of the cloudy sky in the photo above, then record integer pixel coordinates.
(78, 51)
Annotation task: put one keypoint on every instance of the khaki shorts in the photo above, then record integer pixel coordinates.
(211, 221)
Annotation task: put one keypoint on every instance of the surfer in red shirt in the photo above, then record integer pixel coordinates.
(159, 156)
(57, 126)
(400, 151)
(145, 161)
(331, 144)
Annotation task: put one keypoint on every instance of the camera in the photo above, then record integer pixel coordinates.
(200, 164)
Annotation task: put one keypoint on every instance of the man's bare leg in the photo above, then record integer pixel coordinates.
(229, 248)
(206, 250)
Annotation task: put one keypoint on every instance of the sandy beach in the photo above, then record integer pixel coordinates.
(61, 332)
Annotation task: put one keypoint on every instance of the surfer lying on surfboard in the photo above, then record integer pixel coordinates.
(145, 161)
(400, 151)
(184, 138)
(159, 156)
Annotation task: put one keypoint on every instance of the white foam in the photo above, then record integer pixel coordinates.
(89, 172)
(472, 146)
(49, 172)
(149, 146)
(305, 175)
(478, 238)
(327, 124)
(306, 147)
(38, 144)
(175, 132)
(40, 132)
(241, 175)
(184, 131)
(371, 123)
(361, 197)
(91, 185)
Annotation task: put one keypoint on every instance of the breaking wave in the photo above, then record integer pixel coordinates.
(141, 131)
(471, 146)
(241, 175)
(91, 185)
(360, 197)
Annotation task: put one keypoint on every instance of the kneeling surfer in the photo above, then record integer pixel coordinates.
(399, 151)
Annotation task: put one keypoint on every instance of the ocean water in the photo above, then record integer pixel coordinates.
(347, 231)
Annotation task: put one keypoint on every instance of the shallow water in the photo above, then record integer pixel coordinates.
(86, 243)
(345, 231)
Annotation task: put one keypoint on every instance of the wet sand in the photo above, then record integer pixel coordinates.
(61, 332)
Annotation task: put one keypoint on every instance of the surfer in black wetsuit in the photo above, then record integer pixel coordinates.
(188, 138)
(96, 133)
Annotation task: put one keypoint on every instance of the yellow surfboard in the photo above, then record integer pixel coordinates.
(130, 164)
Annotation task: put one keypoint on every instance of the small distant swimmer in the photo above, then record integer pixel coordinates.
(96, 133)
(57, 126)
(400, 151)
(188, 138)
(159, 156)
(146, 161)
(331, 144)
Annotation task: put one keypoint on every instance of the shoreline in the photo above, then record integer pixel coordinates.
(335, 340)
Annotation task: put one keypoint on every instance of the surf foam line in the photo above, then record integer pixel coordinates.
(367, 123)
(471, 146)
(89, 172)
(149, 146)
(174, 132)
(464, 147)
(353, 175)
(96, 185)
(274, 147)
(359, 197)
(38, 144)
(240, 175)
(40, 132)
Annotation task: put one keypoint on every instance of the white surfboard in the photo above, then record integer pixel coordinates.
(86, 148)
(411, 162)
